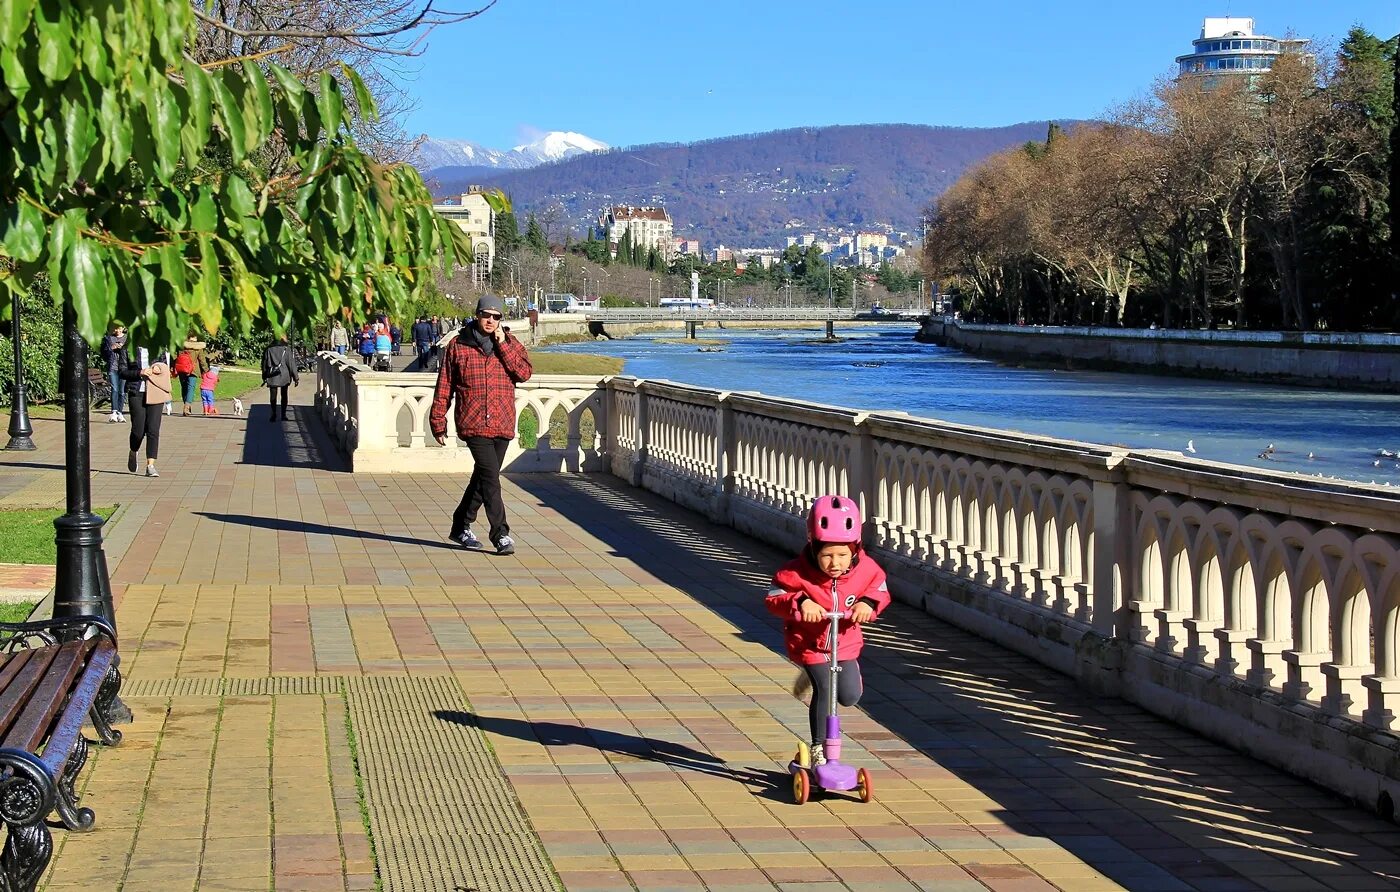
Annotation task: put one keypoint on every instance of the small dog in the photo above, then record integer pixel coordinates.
(237, 407)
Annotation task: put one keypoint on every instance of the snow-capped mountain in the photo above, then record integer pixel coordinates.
(553, 146)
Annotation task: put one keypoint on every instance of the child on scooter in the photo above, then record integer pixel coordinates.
(832, 573)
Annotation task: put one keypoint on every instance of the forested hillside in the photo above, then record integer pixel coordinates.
(752, 190)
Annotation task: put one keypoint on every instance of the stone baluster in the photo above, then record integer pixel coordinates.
(636, 473)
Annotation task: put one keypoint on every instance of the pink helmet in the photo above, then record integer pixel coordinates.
(834, 519)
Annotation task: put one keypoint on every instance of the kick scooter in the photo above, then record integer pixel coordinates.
(833, 775)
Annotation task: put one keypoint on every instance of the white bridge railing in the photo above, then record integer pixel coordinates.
(1260, 608)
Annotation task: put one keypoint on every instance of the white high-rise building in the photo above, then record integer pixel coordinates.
(1229, 46)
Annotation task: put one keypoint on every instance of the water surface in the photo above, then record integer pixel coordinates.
(884, 368)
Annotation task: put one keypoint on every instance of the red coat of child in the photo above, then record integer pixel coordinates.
(809, 643)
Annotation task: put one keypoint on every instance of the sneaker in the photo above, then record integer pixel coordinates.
(131, 461)
(466, 539)
(505, 545)
(818, 757)
(112, 419)
(802, 684)
(120, 419)
(151, 471)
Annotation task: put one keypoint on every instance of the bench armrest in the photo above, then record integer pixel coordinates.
(17, 636)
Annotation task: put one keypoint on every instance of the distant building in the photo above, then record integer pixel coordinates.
(650, 227)
(721, 255)
(1228, 46)
(478, 221)
(690, 246)
(866, 240)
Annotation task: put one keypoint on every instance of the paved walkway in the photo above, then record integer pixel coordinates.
(607, 709)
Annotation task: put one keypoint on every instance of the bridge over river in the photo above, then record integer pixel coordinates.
(694, 317)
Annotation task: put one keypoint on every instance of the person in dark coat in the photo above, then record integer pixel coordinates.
(279, 371)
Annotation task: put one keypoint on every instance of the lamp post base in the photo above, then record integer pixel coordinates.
(21, 431)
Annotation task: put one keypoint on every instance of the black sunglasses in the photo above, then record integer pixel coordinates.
(496, 316)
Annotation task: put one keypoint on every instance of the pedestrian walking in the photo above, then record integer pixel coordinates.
(208, 383)
(340, 338)
(113, 352)
(479, 371)
(279, 371)
(190, 365)
(423, 340)
(146, 374)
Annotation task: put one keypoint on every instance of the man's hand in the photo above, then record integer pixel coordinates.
(500, 334)
(441, 438)
(812, 611)
(862, 613)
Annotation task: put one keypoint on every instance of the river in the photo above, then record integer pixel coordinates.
(884, 368)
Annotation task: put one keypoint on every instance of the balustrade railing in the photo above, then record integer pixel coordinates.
(380, 420)
(1208, 592)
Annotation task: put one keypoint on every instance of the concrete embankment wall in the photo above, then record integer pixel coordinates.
(1352, 361)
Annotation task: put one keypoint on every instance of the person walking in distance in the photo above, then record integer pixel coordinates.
(479, 371)
(147, 377)
(340, 338)
(279, 371)
(114, 355)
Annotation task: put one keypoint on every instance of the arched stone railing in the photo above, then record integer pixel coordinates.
(1260, 608)
(380, 420)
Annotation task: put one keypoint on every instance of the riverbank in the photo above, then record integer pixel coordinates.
(1336, 361)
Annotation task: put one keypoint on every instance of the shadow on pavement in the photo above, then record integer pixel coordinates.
(1150, 805)
(300, 441)
(558, 735)
(301, 526)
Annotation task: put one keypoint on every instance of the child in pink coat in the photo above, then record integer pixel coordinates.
(207, 383)
(832, 573)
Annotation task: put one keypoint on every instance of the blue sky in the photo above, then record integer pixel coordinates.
(723, 67)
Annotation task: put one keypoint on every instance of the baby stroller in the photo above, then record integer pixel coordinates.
(382, 362)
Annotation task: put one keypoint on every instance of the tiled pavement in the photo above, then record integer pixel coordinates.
(623, 669)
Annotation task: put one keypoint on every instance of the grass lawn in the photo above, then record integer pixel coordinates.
(26, 536)
(16, 613)
(233, 383)
(574, 364)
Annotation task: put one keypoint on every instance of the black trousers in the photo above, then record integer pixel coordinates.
(484, 488)
(276, 393)
(849, 687)
(145, 424)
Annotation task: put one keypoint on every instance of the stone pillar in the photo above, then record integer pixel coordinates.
(862, 474)
(1111, 539)
(726, 447)
(639, 456)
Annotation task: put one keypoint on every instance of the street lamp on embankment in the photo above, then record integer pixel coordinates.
(21, 431)
(81, 586)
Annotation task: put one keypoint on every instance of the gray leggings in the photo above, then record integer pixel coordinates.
(848, 691)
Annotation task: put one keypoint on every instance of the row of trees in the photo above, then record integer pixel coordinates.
(1230, 200)
(222, 170)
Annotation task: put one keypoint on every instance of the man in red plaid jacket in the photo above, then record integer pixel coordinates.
(480, 370)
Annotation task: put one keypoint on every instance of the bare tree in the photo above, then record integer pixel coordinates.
(377, 38)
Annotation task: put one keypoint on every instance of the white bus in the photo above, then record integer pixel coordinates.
(686, 303)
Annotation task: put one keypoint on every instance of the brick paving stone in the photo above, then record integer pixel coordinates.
(631, 685)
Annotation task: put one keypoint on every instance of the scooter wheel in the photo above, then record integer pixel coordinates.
(801, 787)
(864, 786)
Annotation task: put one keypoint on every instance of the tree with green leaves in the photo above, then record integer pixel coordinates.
(137, 178)
(534, 235)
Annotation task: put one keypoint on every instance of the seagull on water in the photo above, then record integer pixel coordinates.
(1191, 446)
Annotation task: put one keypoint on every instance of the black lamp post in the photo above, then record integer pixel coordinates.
(81, 587)
(21, 431)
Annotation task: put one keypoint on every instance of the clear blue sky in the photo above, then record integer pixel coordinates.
(630, 72)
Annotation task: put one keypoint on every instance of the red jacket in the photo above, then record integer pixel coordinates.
(483, 386)
(808, 643)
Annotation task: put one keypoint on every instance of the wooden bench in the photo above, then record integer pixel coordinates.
(99, 388)
(54, 674)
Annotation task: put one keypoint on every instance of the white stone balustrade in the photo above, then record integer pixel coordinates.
(1260, 608)
(380, 420)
